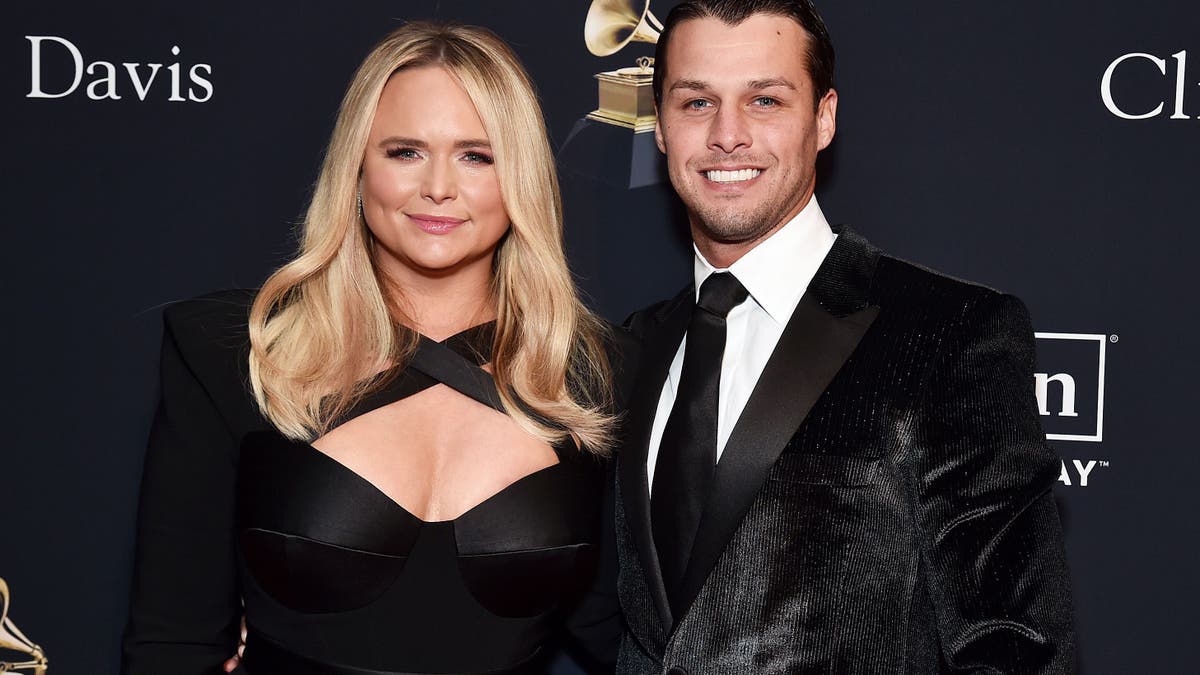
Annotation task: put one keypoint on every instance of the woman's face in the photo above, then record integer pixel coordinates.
(430, 195)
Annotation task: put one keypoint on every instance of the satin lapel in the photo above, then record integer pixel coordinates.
(658, 350)
(812, 349)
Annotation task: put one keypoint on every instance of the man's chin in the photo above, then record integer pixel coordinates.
(733, 228)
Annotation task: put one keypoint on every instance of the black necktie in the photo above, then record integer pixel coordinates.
(687, 454)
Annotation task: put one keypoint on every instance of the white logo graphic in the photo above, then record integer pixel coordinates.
(1080, 469)
(1135, 61)
(1072, 396)
(107, 81)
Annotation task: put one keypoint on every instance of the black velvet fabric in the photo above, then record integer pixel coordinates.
(332, 575)
(902, 519)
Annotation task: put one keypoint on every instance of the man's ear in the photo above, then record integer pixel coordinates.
(658, 135)
(827, 119)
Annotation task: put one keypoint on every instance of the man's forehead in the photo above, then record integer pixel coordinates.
(763, 48)
(756, 30)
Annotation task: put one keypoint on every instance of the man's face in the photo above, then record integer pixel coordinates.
(738, 126)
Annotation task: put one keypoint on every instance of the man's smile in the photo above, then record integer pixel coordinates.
(731, 176)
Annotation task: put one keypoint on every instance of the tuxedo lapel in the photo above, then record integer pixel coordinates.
(660, 343)
(824, 330)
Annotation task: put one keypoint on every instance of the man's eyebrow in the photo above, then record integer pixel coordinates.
(766, 83)
(771, 82)
(694, 85)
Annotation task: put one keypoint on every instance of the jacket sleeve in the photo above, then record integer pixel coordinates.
(185, 607)
(991, 537)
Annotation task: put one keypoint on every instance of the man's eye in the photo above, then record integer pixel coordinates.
(402, 153)
(697, 104)
(766, 102)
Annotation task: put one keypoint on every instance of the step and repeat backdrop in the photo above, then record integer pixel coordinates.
(157, 151)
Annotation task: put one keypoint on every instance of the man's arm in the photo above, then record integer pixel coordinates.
(991, 536)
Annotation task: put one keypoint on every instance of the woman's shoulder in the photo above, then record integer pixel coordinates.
(211, 333)
(219, 319)
(206, 343)
(221, 310)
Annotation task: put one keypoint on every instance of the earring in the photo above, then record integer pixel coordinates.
(360, 208)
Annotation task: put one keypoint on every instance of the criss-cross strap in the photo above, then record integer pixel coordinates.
(455, 362)
(454, 370)
(462, 353)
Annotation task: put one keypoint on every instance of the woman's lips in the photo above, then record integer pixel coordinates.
(435, 224)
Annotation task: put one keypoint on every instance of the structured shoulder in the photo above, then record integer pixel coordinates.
(899, 283)
(208, 337)
(221, 311)
(621, 344)
(643, 322)
(957, 313)
(211, 335)
(218, 320)
(624, 353)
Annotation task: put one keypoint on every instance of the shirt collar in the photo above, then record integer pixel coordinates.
(778, 270)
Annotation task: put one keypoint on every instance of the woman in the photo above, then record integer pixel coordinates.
(392, 456)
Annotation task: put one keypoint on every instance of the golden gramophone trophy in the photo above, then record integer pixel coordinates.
(609, 144)
(11, 638)
(626, 97)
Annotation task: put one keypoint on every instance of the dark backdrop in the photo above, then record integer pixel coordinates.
(975, 138)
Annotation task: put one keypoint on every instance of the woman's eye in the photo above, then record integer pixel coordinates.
(478, 158)
(402, 153)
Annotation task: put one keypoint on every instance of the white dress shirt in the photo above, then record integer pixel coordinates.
(776, 272)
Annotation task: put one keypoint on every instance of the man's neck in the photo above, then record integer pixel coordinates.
(722, 254)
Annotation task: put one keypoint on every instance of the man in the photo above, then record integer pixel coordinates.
(833, 461)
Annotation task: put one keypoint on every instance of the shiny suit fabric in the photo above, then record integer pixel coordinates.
(884, 503)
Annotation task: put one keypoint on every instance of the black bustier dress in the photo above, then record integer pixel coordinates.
(339, 578)
(333, 576)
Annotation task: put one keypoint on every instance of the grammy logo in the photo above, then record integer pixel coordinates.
(626, 96)
(12, 639)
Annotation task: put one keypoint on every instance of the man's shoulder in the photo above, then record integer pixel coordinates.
(900, 283)
(640, 323)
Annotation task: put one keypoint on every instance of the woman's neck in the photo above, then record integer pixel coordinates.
(444, 306)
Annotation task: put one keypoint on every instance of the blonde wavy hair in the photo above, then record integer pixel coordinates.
(323, 330)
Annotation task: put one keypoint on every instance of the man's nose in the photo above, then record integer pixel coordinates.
(730, 130)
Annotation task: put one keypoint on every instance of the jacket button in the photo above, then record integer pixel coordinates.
(677, 670)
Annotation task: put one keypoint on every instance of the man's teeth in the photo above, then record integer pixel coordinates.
(732, 176)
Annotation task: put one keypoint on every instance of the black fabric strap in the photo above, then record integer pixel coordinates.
(687, 454)
(452, 369)
(459, 354)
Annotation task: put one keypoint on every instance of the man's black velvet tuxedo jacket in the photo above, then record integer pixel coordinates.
(884, 503)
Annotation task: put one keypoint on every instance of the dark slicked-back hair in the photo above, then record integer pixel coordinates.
(733, 12)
